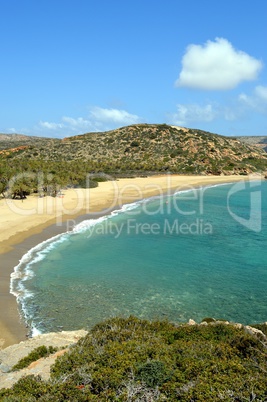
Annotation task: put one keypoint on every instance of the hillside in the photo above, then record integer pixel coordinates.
(260, 141)
(8, 141)
(149, 148)
(137, 360)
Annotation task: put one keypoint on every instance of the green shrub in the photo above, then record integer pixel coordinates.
(135, 144)
(35, 354)
(152, 373)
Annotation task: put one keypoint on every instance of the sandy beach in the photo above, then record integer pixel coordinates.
(26, 223)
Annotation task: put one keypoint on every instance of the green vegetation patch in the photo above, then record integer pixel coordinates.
(137, 360)
(35, 354)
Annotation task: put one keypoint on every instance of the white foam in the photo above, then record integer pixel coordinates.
(23, 270)
(200, 188)
(35, 332)
(88, 223)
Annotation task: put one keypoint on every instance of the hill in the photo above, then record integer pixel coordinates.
(260, 141)
(149, 148)
(8, 141)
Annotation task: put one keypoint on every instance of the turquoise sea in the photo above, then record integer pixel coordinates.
(196, 254)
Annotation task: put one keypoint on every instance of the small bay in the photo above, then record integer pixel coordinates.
(195, 254)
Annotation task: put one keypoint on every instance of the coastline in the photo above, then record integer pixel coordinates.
(26, 224)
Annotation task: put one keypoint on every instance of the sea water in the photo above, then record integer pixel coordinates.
(195, 254)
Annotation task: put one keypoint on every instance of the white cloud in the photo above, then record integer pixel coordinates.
(261, 93)
(50, 126)
(257, 101)
(239, 108)
(246, 100)
(114, 115)
(98, 119)
(216, 66)
(78, 124)
(193, 113)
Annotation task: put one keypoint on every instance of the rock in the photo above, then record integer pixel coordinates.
(192, 322)
(222, 322)
(208, 320)
(12, 354)
(238, 326)
(256, 332)
(4, 368)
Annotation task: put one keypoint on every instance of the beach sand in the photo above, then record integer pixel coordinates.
(24, 224)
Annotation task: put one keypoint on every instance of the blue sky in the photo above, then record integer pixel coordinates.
(70, 67)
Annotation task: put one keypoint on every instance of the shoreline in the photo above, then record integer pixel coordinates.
(103, 200)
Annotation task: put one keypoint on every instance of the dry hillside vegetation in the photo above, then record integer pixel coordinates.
(150, 147)
(259, 141)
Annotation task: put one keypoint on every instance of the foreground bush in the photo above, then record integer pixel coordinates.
(137, 360)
